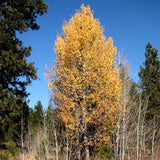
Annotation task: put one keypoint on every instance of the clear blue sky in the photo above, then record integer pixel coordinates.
(131, 24)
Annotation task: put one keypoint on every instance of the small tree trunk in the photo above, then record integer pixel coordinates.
(153, 137)
(79, 154)
(84, 119)
(138, 128)
(22, 145)
(144, 145)
(124, 128)
(70, 148)
(67, 148)
(56, 141)
(45, 138)
(29, 139)
(120, 150)
(86, 139)
(117, 139)
(38, 146)
(156, 158)
(141, 143)
(86, 147)
(78, 147)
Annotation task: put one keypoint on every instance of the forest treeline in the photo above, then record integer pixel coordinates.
(96, 111)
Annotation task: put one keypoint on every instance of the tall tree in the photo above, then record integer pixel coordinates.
(86, 83)
(150, 80)
(38, 115)
(15, 72)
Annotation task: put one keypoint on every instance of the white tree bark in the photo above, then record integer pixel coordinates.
(153, 137)
(45, 139)
(78, 146)
(118, 138)
(86, 147)
(138, 126)
(67, 149)
(22, 140)
(29, 139)
(124, 132)
(56, 141)
(84, 121)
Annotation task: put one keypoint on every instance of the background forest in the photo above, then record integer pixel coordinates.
(96, 111)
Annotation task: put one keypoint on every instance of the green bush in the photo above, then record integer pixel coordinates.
(105, 153)
(4, 155)
(11, 150)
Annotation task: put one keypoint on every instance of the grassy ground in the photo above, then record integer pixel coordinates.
(7, 152)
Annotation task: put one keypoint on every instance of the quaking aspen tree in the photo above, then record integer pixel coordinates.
(85, 82)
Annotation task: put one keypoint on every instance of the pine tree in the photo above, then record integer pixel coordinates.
(86, 82)
(38, 115)
(150, 80)
(15, 72)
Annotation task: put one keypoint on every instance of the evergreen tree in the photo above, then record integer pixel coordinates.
(15, 73)
(150, 80)
(38, 114)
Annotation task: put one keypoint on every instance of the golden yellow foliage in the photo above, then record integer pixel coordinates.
(85, 81)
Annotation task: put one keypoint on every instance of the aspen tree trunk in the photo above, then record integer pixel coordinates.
(67, 145)
(153, 137)
(127, 142)
(70, 150)
(128, 154)
(85, 137)
(141, 143)
(117, 138)
(156, 158)
(114, 145)
(78, 152)
(86, 147)
(84, 119)
(142, 140)
(56, 141)
(45, 138)
(144, 146)
(123, 133)
(29, 140)
(38, 144)
(117, 144)
(120, 150)
(67, 150)
(22, 141)
(77, 135)
(124, 128)
(138, 128)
